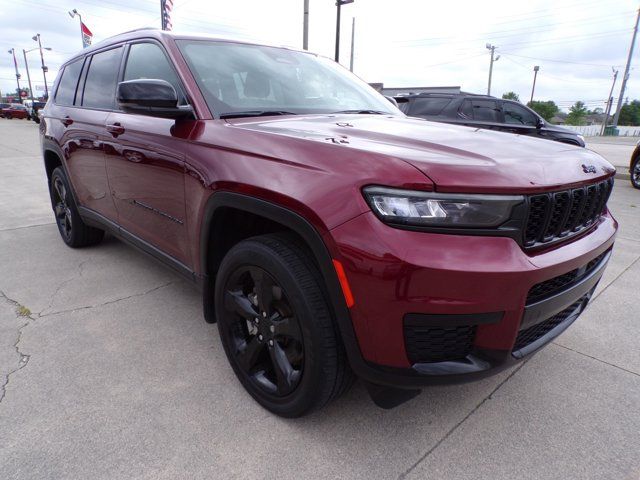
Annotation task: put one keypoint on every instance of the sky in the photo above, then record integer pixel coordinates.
(400, 43)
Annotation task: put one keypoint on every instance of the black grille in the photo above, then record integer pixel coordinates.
(557, 215)
(438, 344)
(533, 333)
(557, 284)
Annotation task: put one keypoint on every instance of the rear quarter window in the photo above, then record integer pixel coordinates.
(66, 92)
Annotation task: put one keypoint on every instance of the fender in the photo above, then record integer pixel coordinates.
(309, 235)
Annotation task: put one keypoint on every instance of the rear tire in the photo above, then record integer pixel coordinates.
(277, 328)
(635, 172)
(74, 232)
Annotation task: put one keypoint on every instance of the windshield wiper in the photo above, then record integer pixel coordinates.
(363, 112)
(255, 113)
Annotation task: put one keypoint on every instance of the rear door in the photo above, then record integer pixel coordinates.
(145, 162)
(80, 125)
(482, 113)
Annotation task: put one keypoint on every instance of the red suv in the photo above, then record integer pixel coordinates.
(330, 234)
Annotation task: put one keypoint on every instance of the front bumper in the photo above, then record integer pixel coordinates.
(445, 281)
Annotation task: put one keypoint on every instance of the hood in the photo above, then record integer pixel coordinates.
(455, 158)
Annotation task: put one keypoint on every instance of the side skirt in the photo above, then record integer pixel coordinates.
(94, 219)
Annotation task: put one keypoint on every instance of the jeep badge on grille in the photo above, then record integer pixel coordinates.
(589, 168)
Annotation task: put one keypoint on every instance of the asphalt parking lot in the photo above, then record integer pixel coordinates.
(108, 371)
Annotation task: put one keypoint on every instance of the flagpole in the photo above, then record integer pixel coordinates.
(162, 26)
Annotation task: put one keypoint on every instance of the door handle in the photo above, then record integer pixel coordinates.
(66, 121)
(115, 129)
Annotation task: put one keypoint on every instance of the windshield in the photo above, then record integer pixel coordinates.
(259, 80)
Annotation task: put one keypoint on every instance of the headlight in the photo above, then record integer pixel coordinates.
(429, 209)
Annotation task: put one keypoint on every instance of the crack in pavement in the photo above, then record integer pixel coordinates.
(597, 359)
(110, 302)
(23, 358)
(404, 474)
(63, 284)
(27, 226)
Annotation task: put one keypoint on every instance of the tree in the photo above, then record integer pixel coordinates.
(577, 114)
(630, 114)
(511, 96)
(546, 110)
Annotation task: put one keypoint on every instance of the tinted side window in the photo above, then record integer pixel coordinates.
(147, 60)
(429, 106)
(517, 115)
(66, 92)
(485, 110)
(100, 86)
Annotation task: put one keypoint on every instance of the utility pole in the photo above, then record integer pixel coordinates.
(353, 38)
(609, 102)
(626, 72)
(36, 38)
(305, 26)
(535, 75)
(26, 66)
(493, 49)
(15, 64)
(339, 4)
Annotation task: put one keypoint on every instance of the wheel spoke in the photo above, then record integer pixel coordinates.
(236, 301)
(285, 374)
(60, 190)
(286, 327)
(59, 209)
(263, 289)
(249, 355)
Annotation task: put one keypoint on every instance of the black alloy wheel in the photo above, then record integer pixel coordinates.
(61, 209)
(74, 232)
(276, 326)
(635, 173)
(264, 331)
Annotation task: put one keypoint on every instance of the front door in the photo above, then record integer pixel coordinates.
(145, 166)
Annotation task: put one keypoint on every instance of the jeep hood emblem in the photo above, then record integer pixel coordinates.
(589, 168)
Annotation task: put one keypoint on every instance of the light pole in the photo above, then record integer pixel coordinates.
(305, 26)
(26, 65)
(73, 14)
(535, 75)
(492, 48)
(36, 38)
(15, 64)
(353, 39)
(339, 4)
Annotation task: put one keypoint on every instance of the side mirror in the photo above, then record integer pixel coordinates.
(153, 97)
(540, 123)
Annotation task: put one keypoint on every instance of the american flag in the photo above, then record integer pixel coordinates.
(166, 6)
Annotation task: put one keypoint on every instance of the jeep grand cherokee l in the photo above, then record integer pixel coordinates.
(330, 234)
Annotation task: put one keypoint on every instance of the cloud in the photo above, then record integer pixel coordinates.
(407, 43)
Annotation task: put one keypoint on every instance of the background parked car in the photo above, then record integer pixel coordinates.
(3, 106)
(33, 108)
(634, 167)
(14, 110)
(483, 111)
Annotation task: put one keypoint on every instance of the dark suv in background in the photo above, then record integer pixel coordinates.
(483, 111)
(329, 233)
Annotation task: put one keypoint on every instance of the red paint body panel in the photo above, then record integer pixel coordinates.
(394, 272)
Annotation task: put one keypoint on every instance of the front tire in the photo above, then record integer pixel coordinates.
(276, 326)
(74, 232)
(635, 173)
